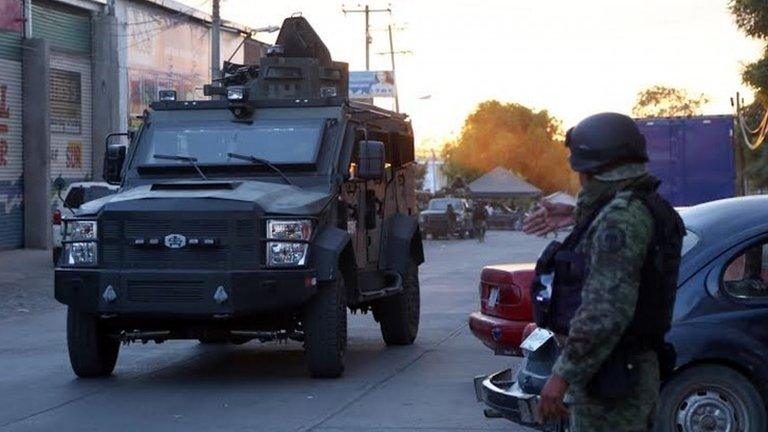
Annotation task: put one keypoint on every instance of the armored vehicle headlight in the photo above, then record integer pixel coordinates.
(79, 230)
(284, 254)
(80, 254)
(236, 93)
(278, 229)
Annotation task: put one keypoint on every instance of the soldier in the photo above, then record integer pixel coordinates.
(614, 284)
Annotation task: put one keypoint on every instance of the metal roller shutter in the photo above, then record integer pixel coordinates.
(68, 30)
(11, 192)
(70, 117)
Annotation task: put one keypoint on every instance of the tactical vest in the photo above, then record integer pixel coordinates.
(562, 270)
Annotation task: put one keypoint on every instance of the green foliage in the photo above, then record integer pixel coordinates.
(515, 137)
(756, 76)
(662, 101)
(751, 17)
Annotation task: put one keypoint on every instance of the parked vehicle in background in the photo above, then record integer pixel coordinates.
(70, 199)
(719, 330)
(693, 157)
(434, 220)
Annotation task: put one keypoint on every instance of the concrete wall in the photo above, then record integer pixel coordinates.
(106, 87)
(36, 133)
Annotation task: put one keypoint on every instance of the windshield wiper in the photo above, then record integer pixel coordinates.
(189, 159)
(260, 161)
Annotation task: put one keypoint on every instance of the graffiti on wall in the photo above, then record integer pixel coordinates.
(176, 58)
(169, 51)
(66, 102)
(74, 154)
(11, 16)
(11, 199)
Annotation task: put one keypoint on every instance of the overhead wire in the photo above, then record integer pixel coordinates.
(761, 131)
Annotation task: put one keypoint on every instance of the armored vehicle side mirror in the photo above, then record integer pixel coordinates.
(114, 157)
(371, 160)
(113, 164)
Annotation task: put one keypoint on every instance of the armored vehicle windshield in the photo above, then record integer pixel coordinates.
(211, 142)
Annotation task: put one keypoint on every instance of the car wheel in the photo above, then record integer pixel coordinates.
(325, 330)
(711, 398)
(92, 351)
(398, 316)
(56, 254)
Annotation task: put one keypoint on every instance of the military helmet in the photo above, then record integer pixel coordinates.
(602, 141)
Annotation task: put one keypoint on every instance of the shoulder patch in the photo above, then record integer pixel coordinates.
(611, 239)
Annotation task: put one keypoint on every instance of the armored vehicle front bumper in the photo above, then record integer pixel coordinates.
(191, 294)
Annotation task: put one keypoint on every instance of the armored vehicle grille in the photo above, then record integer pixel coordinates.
(165, 291)
(235, 244)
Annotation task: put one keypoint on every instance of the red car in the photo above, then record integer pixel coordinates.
(505, 307)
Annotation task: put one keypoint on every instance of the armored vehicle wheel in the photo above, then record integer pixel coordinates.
(398, 315)
(92, 352)
(325, 330)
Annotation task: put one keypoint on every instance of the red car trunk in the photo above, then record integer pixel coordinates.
(505, 307)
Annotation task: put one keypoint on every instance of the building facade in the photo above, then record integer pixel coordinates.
(72, 71)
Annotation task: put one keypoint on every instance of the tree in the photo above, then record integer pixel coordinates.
(515, 137)
(663, 101)
(751, 17)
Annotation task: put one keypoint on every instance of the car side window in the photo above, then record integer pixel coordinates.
(746, 276)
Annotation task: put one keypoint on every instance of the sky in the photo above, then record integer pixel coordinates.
(570, 57)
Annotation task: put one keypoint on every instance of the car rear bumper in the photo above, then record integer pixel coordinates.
(190, 294)
(503, 396)
(501, 335)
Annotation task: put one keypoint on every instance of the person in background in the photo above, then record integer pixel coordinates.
(480, 220)
(450, 214)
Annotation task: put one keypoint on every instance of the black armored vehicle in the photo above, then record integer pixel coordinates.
(264, 213)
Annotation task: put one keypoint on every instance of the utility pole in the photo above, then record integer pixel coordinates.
(741, 187)
(392, 53)
(215, 41)
(367, 11)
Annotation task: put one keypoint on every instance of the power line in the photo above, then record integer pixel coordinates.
(367, 11)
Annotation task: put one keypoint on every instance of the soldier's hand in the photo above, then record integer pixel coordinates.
(551, 406)
(548, 217)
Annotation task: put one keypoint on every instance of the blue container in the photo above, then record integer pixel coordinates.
(693, 157)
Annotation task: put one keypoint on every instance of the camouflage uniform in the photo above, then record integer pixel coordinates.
(615, 245)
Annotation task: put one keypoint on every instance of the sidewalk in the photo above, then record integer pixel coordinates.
(26, 282)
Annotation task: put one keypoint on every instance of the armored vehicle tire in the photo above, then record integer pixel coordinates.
(711, 397)
(325, 330)
(398, 315)
(92, 352)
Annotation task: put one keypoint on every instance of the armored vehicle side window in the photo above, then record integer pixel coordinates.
(279, 141)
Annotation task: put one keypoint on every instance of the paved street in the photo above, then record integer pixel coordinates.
(184, 386)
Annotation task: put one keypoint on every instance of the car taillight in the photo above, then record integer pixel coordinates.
(57, 217)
